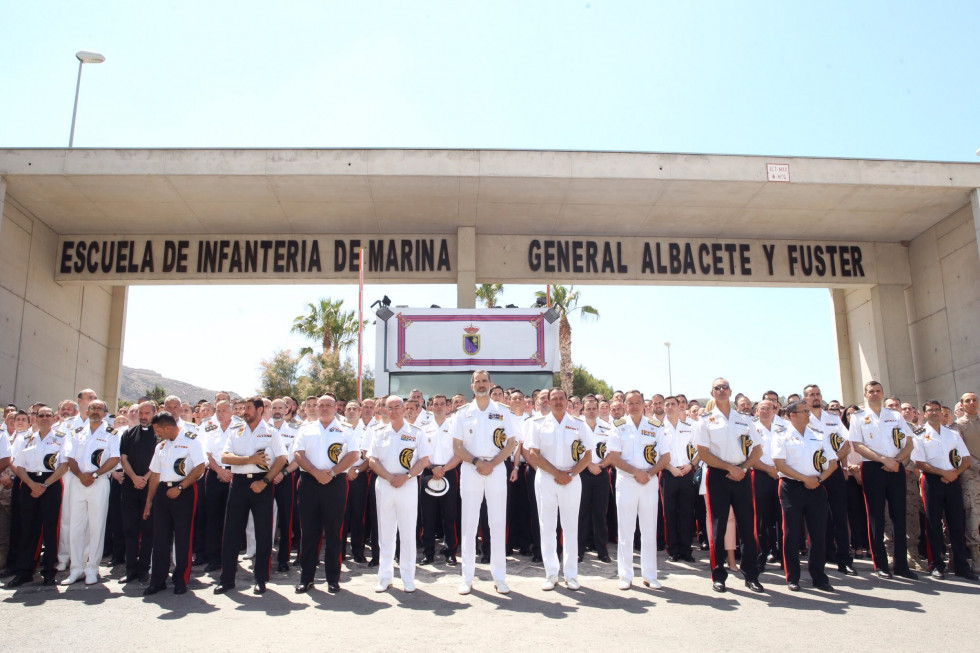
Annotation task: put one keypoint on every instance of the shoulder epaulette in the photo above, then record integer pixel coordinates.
(619, 422)
(79, 429)
(536, 418)
(652, 421)
(918, 430)
(110, 430)
(210, 427)
(578, 417)
(343, 420)
(815, 429)
(685, 423)
(58, 433)
(755, 418)
(190, 435)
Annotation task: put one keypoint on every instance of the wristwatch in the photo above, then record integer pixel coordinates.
(179, 489)
(95, 475)
(474, 461)
(265, 479)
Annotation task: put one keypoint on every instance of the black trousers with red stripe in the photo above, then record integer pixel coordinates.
(765, 490)
(838, 538)
(173, 525)
(446, 507)
(677, 496)
(939, 499)
(725, 494)
(242, 501)
(39, 519)
(801, 505)
(355, 519)
(284, 494)
(321, 511)
(592, 524)
(881, 486)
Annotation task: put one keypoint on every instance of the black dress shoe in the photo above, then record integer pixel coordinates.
(847, 570)
(180, 590)
(198, 561)
(672, 558)
(485, 559)
(144, 577)
(688, 558)
(525, 552)
(153, 589)
(581, 558)
(427, 560)
(770, 558)
(451, 560)
(128, 578)
(303, 588)
(115, 562)
(718, 586)
(968, 575)
(793, 587)
(534, 558)
(754, 586)
(373, 562)
(825, 587)
(360, 560)
(333, 588)
(48, 582)
(884, 575)
(283, 566)
(221, 589)
(605, 558)
(258, 588)
(212, 566)
(907, 573)
(17, 582)
(704, 546)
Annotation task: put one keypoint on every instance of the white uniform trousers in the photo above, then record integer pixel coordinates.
(634, 500)
(64, 530)
(554, 499)
(89, 508)
(398, 510)
(473, 487)
(250, 532)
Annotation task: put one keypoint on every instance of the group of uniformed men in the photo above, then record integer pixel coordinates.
(197, 484)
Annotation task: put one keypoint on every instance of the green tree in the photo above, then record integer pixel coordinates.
(280, 374)
(584, 383)
(157, 394)
(488, 293)
(565, 302)
(326, 324)
(329, 373)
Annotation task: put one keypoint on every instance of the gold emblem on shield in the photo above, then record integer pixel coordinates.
(405, 458)
(577, 450)
(333, 452)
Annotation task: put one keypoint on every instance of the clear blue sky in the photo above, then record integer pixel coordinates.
(868, 80)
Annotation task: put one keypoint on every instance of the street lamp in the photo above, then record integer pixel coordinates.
(83, 56)
(670, 376)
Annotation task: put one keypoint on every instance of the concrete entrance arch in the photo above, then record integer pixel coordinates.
(894, 241)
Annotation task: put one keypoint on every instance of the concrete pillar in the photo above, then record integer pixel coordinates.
(975, 205)
(845, 369)
(466, 267)
(892, 341)
(114, 353)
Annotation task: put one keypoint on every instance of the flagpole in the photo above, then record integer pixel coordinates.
(360, 321)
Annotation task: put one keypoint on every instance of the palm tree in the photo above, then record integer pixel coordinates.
(334, 329)
(488, 292)
(565, 302)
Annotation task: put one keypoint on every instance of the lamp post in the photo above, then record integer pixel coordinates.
(83, 56)
(670, 376)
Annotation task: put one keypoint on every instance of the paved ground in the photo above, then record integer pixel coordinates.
(686, 615)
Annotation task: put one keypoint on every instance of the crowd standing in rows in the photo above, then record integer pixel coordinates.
(164, 489)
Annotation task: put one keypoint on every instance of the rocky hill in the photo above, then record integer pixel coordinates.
(135, 383)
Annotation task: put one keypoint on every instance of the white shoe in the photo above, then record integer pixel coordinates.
(465, 588)
(572, 584)
(91, 578)
(624, 584)
(549, 583)
(61, 566)
(409, 586)
(652, 584)
(73, 578)
(501, 587)
(382, 586)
